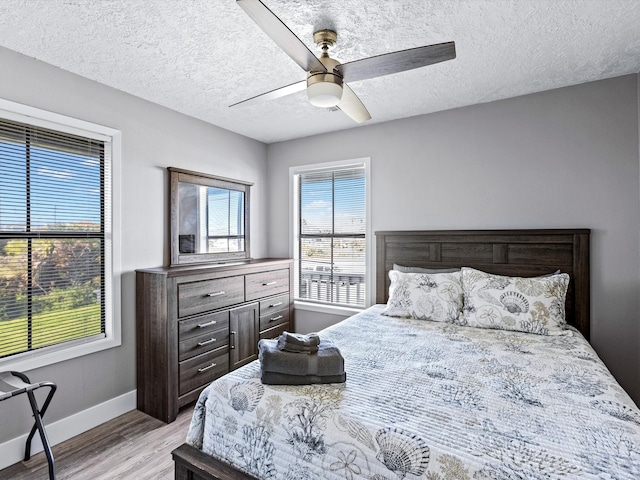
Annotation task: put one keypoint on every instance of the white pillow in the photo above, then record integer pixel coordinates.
(533, 305)
(436, 296)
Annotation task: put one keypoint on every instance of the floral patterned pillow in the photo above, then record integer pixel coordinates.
(533, 305)
(436, 296)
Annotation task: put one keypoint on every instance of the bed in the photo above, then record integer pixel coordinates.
(433, 400)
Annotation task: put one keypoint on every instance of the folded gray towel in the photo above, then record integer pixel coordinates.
(327, 361)
(295, 348)
(310, 340)
(271, 378)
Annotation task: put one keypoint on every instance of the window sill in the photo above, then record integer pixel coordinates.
(36, 359)
(327, 309)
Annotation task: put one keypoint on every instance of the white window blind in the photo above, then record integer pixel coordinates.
(332, 236)
(52, 238)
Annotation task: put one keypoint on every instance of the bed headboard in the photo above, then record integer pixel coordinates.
(519, 253)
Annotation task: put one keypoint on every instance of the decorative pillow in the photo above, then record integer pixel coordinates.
(403, 269)
(533, 305)
(425, 296)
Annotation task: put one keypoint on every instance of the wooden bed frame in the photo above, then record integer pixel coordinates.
(522, 253)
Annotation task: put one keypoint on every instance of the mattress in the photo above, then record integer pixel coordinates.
(429, 400)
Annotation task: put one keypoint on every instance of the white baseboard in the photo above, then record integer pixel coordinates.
(12, 451)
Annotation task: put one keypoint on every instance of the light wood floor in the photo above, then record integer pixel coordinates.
(132, 446)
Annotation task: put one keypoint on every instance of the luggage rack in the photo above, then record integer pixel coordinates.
(16, 383)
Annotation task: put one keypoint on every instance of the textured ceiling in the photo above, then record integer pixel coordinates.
(199, 56)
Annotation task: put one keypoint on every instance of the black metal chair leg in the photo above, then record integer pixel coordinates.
(43, 436)
(45, 405)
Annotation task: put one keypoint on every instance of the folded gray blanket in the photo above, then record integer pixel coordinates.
(271, 378)
(327, 361)
(298, 343)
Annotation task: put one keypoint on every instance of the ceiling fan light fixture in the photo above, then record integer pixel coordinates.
(324, 94)
(324, 89)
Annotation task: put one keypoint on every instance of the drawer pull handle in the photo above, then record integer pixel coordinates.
(215, 294)
(232, 340)
(275, 304)
(269, 283)
(275, 318)
(206, 342)
(204, 369)
(202, 325)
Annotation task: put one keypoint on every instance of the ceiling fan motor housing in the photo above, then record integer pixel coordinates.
(324, 89)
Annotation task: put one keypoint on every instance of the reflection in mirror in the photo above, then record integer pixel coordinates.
(209, 218)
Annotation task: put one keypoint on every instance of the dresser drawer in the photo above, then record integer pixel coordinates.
(205, 295)
(274, 304)
(264, 284)
(204, 324)
(203, 369)
(274, 332)
(203, 343)
(275, 318)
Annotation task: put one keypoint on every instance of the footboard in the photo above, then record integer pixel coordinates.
(192, 464)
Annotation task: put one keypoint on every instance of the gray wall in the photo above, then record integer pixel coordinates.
(561, 158)
(153, 138)
(565, 158)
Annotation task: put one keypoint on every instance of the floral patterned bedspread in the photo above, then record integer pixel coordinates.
(433, 401)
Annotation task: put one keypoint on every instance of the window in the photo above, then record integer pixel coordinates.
(56, 287)
(331, 233)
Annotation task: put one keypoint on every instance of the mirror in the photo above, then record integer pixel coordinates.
(209, 218)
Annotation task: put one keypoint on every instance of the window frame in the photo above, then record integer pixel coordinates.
(321, 307)
(112, 263)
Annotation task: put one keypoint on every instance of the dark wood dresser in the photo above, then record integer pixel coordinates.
(196, 323)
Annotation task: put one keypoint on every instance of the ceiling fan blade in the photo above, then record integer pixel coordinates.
(273, 94)
(395, 62)
(282, 35)
(353, 106)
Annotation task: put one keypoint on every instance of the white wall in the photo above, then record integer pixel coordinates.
(153, 138)
(565, 158)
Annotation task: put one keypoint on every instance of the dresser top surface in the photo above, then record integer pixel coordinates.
(217, 267)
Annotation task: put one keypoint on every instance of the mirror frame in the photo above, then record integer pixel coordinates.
(177, 175)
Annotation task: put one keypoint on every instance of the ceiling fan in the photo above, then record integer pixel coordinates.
(326, 77)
